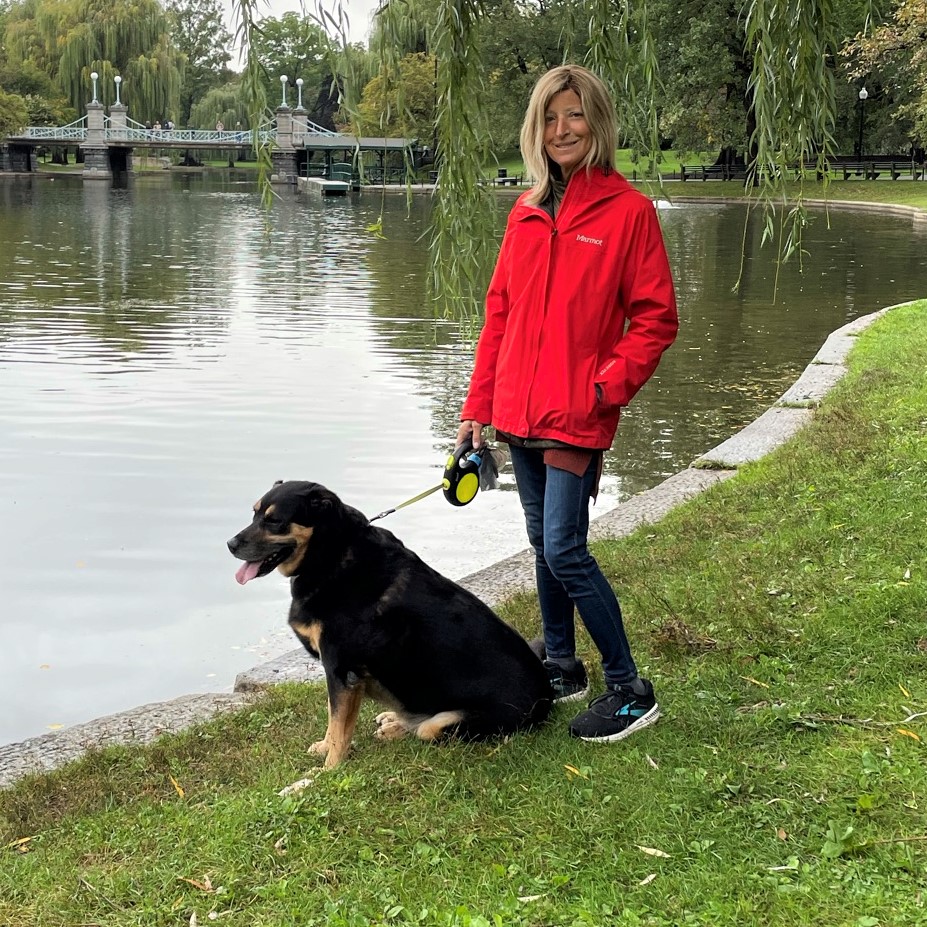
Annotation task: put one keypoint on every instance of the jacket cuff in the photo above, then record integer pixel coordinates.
(611, 396)
(473, 414)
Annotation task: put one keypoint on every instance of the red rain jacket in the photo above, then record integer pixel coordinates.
(582, 300)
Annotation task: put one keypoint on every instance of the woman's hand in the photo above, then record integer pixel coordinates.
(470, 429)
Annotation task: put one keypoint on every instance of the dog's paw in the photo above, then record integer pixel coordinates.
(319, 748)
(390, 726)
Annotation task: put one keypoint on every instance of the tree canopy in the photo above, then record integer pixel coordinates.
(893, 60)
(13, 113)
(404, 106)
(69, 39)
(199, 33)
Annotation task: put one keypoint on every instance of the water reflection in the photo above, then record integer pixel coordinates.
(168, 350)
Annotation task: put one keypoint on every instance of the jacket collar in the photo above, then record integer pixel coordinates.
(583, 187)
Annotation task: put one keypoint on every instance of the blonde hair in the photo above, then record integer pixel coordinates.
(598, 109)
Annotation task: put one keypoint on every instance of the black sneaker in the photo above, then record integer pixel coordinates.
(616, 714)
(568, 685)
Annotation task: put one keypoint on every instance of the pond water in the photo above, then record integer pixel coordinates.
(169, 350)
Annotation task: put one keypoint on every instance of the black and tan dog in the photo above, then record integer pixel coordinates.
(387, 626)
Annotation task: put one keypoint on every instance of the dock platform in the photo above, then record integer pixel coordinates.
(324, 187)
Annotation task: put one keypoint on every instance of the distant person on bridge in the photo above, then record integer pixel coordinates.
(219, 126)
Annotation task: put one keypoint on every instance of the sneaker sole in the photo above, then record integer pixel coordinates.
(574, 697)
(645, 721)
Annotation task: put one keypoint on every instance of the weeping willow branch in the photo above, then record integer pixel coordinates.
(396, 21)
(246, 19)
(792, 89)
(622, 51)
(348, 75)
(463, 245)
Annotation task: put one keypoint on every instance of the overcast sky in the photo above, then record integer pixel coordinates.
(359, 13)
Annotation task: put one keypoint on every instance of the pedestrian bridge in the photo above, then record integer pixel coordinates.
(130, 132)
(298, 145)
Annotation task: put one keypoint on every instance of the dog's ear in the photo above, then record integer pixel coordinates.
(313, 504)
(278, 482)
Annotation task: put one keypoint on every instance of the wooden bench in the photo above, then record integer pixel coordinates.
(507, 181)
(711, 172)
(869, 169)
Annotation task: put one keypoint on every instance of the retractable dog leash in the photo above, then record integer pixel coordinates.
(465, 472)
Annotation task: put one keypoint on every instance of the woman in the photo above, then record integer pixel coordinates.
(580, 308)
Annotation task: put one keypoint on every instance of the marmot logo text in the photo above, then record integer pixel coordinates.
(590, 241)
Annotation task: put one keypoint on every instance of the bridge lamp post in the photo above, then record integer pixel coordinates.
(863, 96)
(283, 80)
(94, 76)
(299, 93)
(118, 81)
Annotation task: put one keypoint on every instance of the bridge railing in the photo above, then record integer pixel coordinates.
(141, 135)
(313, 128)
(136, 132)
(191, 137)
(76, 130)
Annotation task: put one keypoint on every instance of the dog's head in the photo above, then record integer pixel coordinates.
(285, 519)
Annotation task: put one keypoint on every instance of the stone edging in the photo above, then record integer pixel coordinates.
(915, 213)
(493, 584)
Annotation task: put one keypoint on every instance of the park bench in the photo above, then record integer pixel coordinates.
(867, 168)
(711, 172)
(871, 168)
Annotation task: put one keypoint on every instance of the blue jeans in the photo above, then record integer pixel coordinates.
(556, 506)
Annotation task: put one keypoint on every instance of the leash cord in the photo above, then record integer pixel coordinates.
(402, 505)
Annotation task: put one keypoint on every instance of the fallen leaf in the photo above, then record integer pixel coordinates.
(176, 785)
(526, 898)
(756, 682)
(781, 834)
(911, 734)
(204, 886)
(652, 762)
(574, 771)
(904, 691)
(21, 844)
(650, 851)
(647, 879)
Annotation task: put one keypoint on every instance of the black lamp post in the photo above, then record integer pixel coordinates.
(863, 96)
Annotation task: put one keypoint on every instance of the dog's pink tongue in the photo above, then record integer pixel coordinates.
(248, 571)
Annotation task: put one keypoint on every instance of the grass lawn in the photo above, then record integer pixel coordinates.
(781, 617)
(513, 163)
